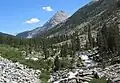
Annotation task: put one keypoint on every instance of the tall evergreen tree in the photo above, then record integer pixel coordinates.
(44, 47)
(56, 63)
(90, 37)
(77, 42)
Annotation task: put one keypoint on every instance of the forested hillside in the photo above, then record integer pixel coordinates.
(36, 51)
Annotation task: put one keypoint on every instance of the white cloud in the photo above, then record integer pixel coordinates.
(32, 20)
(47, 8)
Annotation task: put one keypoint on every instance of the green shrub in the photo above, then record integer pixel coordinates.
(100, 80)
(44, 77)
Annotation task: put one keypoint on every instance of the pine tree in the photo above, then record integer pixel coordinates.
(102, 43)
(63, 52)
(44, 47)
(72, 63)
(56, 63)
(90, 37)
(73, 48)
(117, 38)
(77, 42)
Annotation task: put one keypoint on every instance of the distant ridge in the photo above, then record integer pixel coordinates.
(5, 34)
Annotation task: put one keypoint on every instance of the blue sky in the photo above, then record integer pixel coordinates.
(21, 15)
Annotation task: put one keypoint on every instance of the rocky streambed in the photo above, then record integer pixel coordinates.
(17, 73)
(87, 72)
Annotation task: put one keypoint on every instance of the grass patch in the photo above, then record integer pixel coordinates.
(100, 80)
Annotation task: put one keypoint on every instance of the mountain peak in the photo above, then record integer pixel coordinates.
(61, 12)
(58, 17)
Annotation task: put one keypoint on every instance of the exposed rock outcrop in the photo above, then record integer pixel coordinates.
(17, 73)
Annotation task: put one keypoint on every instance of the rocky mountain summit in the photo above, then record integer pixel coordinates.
(17, 73)
(59, 17)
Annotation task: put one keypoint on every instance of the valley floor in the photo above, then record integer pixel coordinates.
(12, 70)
